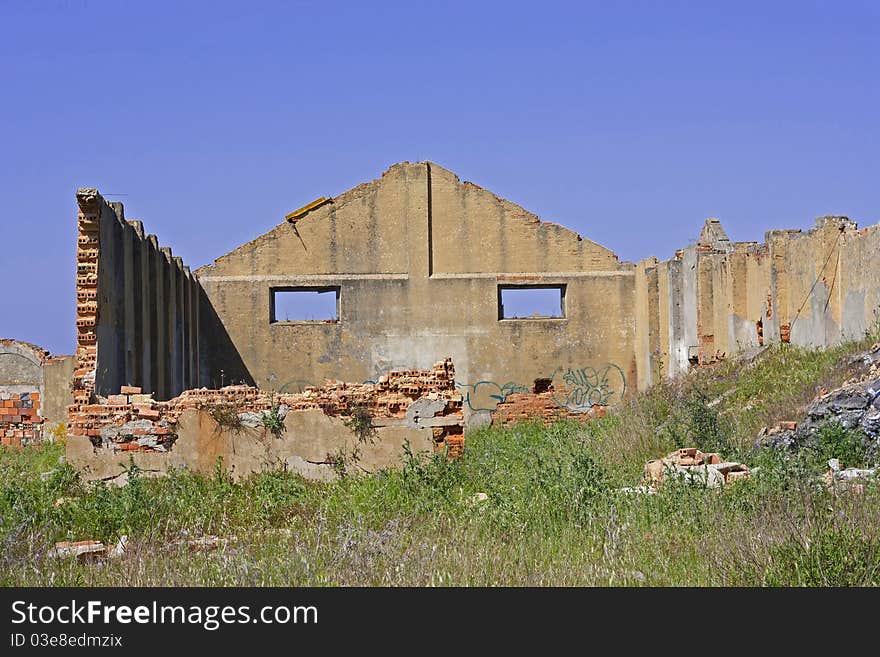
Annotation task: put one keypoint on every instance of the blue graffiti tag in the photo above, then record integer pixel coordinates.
(486, 395)
(588, 386)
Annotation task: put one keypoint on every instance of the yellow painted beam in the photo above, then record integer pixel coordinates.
(296, 214)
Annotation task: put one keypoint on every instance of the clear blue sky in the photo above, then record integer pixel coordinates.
(628, 122)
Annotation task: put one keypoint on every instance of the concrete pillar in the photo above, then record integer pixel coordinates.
(146, 310)
(139, 275)
(186, 281)
(167, 307)
(779, 323)
(159, 356)
(128, 303)
(194, 332)
(180, 315)
(705, 308)
(173, 320)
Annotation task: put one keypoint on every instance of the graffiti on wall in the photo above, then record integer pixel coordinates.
(486, 395)
(581, 389)
(578, 389)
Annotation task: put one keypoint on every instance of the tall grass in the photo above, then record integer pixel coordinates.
(527, 505)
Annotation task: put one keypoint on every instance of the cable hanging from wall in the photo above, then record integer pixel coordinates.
(818, 278)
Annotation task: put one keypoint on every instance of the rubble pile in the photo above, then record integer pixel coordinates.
(856, 405)
(693, 466)
(20, 420)
(134, 421)
(129, 421)
(849, 478)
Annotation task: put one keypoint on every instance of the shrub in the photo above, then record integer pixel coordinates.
(835, 441)
(700, 425)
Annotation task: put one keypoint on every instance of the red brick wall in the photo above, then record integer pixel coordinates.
(529, 406)
(20, 419)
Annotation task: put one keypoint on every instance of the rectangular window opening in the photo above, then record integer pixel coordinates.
(305, 304)
(531, 302)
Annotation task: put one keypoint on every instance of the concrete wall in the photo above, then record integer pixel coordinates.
(308, 444)
(136, 307)
(810, 288)
(418, 257)
(57, 389)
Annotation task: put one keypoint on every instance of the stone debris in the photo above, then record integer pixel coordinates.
(693, 466)
(77, 549)
(89, 549)
(207, 543)
(638, 490)
(855, 405)
(852, 477)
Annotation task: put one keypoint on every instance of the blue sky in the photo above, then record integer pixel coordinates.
(629, 122)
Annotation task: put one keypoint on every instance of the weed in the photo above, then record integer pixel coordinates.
(360, 421)
(338, 460)
(226, 416)
(835, 557)
(58, 433)
(273, 420)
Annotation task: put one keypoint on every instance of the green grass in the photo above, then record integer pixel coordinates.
(554, 514)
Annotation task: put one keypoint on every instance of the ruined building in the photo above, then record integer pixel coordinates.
(418, 262)
(35, 389)
(419, 266)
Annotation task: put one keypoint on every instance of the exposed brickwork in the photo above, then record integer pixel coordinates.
(86, 298)
(133, 421)
(542, 406)
(20, 420)
(785, 332)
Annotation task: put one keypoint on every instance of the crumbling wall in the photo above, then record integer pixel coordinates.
(545, 407)
(34, 392)
(137, 307)
(810, 288)
(419, 260)
(21, 366)
(317, 437)
(20, 420)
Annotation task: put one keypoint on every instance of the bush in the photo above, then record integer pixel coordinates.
(700, 425)
(835, 441)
